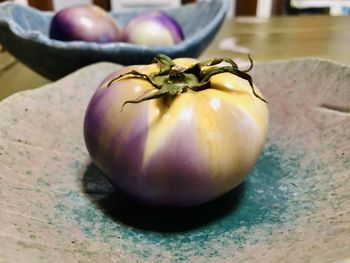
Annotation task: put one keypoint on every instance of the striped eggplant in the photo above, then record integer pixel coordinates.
(88, 23)
(176, 132)
(153, 29)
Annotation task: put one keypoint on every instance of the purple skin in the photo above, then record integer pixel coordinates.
(159, 17)
(174, 176)
(86, 23)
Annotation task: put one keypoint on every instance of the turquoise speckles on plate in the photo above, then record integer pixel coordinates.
(55, 206)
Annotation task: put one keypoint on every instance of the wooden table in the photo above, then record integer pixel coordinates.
(287, 37)
(265, 39)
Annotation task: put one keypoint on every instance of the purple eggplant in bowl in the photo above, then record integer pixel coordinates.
(153, 29)
(25, 33)
(86, 23)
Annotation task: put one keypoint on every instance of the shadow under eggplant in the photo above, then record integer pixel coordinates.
(118, 206)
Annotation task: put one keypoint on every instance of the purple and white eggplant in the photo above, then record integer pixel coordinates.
(86, 23)
(153, 29)
(176, 133)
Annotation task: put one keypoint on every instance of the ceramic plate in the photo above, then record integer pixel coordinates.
(55, 206)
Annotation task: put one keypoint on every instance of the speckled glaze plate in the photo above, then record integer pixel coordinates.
(55, 206)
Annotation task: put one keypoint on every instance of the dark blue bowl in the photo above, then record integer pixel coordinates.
(24, 33)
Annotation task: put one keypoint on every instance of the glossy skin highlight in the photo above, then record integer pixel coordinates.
(86, 23)
(180, 151)
(153, 29)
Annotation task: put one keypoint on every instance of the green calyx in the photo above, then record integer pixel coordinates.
(172, 79)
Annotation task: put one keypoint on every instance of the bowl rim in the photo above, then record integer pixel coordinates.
(40, 38)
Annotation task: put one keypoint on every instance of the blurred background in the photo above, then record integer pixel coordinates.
(267, 29)
(261, 8)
